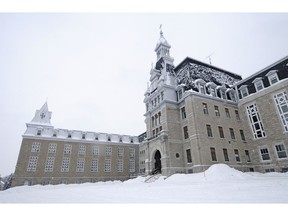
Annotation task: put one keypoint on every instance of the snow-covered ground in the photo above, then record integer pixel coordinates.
(219, 184)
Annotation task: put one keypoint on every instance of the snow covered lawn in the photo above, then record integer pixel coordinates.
(219, 184)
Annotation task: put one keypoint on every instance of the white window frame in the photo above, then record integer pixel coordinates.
(281, 101)
(32, 164)
(120, 152)
(36, 147)
(94, 165)
(244, 91)
(95, 150)
(261, 152)
(80, 165)
(271, 75)
(65, 164)
(119, 165)
(259, 85)
(283, 150)
(132, 165)
(108, 151)
(49, 164)
(82, 150)
(52, 148)
(217, 111)
(253, 113)
(107, 165)
(67, 149)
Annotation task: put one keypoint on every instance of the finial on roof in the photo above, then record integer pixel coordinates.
(161, 32)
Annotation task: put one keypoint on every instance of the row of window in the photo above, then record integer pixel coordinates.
(279, 149)
(156, 119)
(226, 156)
(155, 101)
(258, 83)
(49, 165)
(69, 135)
(82, 149)
(217, 111)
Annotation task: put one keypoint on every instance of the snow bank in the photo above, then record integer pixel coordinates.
(224, 172)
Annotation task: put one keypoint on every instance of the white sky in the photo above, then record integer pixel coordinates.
(94, 67)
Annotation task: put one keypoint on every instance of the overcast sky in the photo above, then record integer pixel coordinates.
(93, 68)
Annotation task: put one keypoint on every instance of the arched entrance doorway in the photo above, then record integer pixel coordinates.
(157, 165)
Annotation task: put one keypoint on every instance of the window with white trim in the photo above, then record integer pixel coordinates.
(35, 147)
(32, 164)
(107, 165)
(120, 152)
(52, 148)
(80, 165)
(244, 91)
(65, 164)
(82, 150)
(49, 164)
(95, 150)
(131, 165)
(108, 151)
(67, 149)
(217, 113)
(131, 152)
(255, 121)
(272, 77)
(264, 154)
(281, 152)
(281, 101)
(120, 166)
(258, 85)
(94, 165)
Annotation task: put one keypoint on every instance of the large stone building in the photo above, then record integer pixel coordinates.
(196, 115)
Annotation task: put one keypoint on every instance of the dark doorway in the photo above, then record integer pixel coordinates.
(157, 157)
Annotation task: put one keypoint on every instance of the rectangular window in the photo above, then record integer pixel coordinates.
(213, 154)
(237, 115)
(189, 157)
(264, 154)
(227, 113)
(242, 135)
(94, 165)
(205, 108)
(131, 152)
(258, 85)
(217, 113)
(209, 131)
(237, 156)
(185, 130)
(131, 165)
(232, 134)
(225, 153)
(32, 164)
(108, 151)
(183, 113)
(255, 121)
(52, 148)
(95, 150)
(35, 147)
(120, 152)
(80, 165)
(179, 94)
(273, 78)
(67, 149)
(162, 96)
(107, 165)
(281, 101)
(244, 92)
(39, 132)
(82, 150)
(281, 152)
(49, 164)
(247, 156)
(65, 164)
(221, 132)
(120, 166)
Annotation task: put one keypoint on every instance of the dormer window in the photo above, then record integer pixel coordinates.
(244, 91)
(83, 136)
(272, 77)
(212, 88)
(109, 139)
(69, 135)
(39, 132)
(258, 83)
(201, 86)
